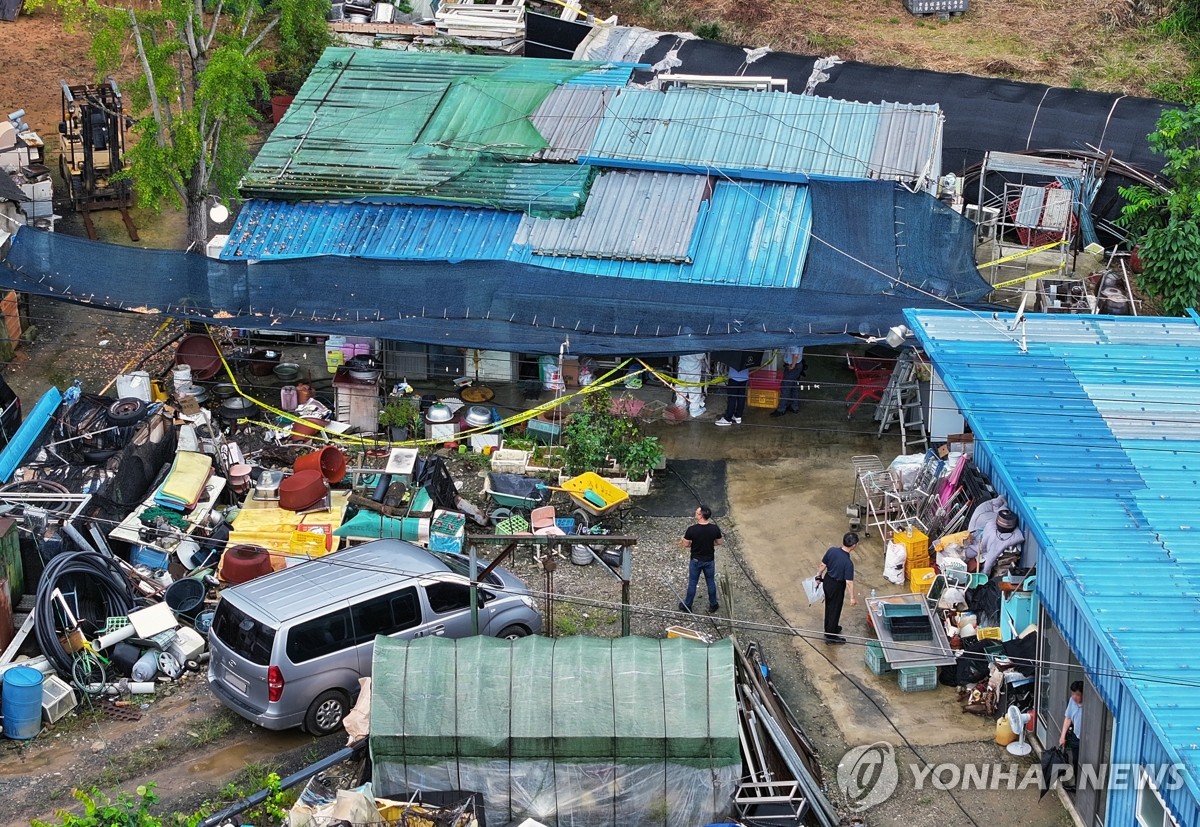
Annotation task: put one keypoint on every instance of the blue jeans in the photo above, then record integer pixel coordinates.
(709, 567)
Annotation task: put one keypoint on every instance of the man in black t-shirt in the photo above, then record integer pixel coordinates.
(702, 540)
(837, 575)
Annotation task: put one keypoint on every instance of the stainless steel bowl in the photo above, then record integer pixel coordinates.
(439, 413)
(478, 416)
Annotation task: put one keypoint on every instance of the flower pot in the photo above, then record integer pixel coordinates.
(279, 107)
(397, 433)
(330, 461)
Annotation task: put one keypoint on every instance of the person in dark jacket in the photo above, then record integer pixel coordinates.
(702, 539)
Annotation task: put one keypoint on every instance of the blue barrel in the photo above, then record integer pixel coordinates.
(22, 702)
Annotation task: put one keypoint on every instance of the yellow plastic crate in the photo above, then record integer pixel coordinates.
(919, 579)
(762, 398)
(989, 633)
(605, 490)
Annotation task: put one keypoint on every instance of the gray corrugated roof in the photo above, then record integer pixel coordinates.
(637, 216)
(907, 143)
(568, 119)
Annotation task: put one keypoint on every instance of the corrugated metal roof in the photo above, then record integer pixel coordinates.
(568, 119)
(768, 135)
(277, 229)
(907, 144)
(1095, 432)
(749, 234)
(409, 125)
(640, 216)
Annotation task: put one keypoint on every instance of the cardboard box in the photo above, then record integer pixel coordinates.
(570, 372)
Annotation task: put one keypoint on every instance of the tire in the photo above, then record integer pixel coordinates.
(88, 671)
(326, 712)
(499, 515)
(513, 632)
(126, 411)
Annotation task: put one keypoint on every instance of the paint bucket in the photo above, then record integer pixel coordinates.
(136, 384)
(289, 400)
(22, 703)
(363, 348)
(181, 378)
(334, 357)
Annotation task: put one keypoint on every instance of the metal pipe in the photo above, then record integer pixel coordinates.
(344, 754)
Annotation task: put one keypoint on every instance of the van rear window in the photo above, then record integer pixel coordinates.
(243, 634)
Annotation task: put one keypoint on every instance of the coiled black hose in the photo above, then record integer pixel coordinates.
(100, 572)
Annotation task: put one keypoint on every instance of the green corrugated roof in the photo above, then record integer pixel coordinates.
(577, 699)
(411, 125)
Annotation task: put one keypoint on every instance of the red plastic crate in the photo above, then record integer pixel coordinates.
(770, 380)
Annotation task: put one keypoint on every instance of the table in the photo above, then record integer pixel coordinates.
(128, 530)
(909, 653)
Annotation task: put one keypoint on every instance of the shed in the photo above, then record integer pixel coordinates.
(578, 731)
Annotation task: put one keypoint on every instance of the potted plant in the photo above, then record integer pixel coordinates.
(638, 457)
(401, 417)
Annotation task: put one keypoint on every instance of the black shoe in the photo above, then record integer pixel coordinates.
(714, 608)
(778, 413)
(835, 640)
(683, 607)
(839, 630)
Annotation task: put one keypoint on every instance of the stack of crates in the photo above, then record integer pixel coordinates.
(916, 548)
(876, 662)
(447, 531)
(764, 389)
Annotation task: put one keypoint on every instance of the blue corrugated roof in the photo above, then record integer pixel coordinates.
(1095, 432)
(749, 234)
(772, 136)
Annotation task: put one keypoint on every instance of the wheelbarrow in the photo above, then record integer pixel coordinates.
(591, 492)
(514, 493)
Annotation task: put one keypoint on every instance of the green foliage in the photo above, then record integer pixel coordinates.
(709, 31)
(197, 79)
(400, 413)
(1164, 225)
(126, 810)
(595, 435)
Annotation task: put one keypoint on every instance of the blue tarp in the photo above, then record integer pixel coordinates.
(876, 249)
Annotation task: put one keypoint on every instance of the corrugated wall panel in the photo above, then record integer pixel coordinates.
(568, 119)
(906, 143)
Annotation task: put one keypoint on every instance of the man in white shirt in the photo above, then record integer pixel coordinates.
(1072, 726)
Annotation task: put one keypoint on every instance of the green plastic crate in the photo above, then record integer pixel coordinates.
(917, 678)
(876, 662)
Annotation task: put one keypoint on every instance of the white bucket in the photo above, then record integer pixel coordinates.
(136, 384)
(181, 376)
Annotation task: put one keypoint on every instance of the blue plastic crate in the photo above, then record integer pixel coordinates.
(151, 558)
(876, 662)
(917, 678)
(567, 524)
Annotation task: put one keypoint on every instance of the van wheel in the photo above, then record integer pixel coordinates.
(325, 714)
(513, 632)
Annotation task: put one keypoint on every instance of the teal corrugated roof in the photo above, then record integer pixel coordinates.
(763, 135)
(1095, 434)
(411, 125)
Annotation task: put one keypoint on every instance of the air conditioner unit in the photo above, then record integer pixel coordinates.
(215, 245)
(991, 217)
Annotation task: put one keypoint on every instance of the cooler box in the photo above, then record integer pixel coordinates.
(447, 532)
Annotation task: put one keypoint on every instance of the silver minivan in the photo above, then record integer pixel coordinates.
(288, 648)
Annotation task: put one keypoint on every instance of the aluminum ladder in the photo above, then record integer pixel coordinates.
(901, 404)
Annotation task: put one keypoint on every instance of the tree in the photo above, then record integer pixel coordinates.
(201, 71)
(1165, 224)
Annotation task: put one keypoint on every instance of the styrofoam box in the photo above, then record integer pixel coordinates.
(188, 645)
(58, 698)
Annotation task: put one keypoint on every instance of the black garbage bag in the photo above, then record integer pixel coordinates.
(1056, 763)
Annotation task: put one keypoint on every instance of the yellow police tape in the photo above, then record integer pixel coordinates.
(1039, 274)
(1023, 253)
(326, 435)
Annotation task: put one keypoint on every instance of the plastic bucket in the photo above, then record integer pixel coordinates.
(181, 378)
(22, 703)
(186, 597)
(289, 400)
(330, 461)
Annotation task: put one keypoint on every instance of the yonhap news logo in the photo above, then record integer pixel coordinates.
(868, 775)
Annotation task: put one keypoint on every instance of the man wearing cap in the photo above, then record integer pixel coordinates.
(837, 576)
(998, 536)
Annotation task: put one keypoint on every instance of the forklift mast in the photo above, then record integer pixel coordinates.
(92, 139)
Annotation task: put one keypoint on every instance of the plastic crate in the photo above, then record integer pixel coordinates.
(762, 398)
(936, 6)
(766, 379)
(516, 524)
(58, 698)
(510, 461)
(876, 662)
(920, 579)
(567, 524)
(917, 678)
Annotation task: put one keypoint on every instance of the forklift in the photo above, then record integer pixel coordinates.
(92, 142)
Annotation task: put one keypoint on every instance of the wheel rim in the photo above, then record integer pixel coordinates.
(329, 714)
(125, 407)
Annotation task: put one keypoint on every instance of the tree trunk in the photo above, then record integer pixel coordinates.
(197, 224)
